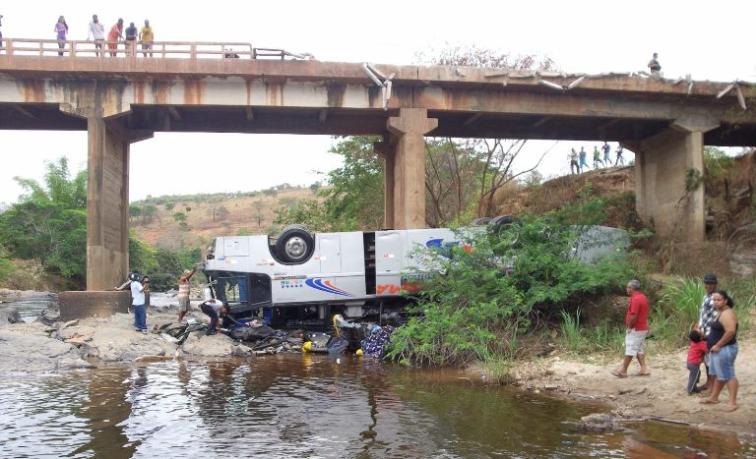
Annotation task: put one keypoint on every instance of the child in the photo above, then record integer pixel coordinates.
(696, 352)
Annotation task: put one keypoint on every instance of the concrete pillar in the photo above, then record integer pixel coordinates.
(667, 195)
(410, 128)
(108, 201)
(107, 206)
(387, 151)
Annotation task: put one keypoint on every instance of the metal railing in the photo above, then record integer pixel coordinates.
(138, 49)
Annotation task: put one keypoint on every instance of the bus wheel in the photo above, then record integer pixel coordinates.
(295, 244)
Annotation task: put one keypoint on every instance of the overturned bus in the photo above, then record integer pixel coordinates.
(300, 279)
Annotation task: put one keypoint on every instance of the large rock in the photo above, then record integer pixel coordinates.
(81, 305)
(26, 348)
(9, 316)
(219, 345)
(742, 250)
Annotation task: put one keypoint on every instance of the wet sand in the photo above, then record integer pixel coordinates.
(661, 395)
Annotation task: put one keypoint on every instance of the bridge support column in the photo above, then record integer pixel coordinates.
(409, 128)
(386, 151)
(108, 202)
(669, 181)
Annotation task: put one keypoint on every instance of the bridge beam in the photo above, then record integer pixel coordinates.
(108, 202)
(409, 128)
(669, 180)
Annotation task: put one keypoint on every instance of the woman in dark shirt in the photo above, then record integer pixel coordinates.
(723, 344)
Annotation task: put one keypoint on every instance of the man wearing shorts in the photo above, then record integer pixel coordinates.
(183, 293)
(636, 321)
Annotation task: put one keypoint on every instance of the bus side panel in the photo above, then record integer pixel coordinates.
(388, 262)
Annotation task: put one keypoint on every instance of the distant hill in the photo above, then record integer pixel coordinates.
(190, 220)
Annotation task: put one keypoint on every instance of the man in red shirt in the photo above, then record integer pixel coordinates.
(636, 321)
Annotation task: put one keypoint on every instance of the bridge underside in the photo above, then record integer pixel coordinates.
(345, 121)
(121, 101)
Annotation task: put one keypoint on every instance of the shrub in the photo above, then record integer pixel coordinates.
(486, 298)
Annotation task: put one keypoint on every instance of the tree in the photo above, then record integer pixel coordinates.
(453, 164)
(258, 212)
(169, 206)
(148, 213)
(49, 222)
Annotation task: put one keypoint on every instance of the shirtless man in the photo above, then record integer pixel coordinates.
(183, 292)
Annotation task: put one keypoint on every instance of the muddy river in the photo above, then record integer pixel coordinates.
(309, 406)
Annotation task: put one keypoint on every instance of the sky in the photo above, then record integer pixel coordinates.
(708, 40)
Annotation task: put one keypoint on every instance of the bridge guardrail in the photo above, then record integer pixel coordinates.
(158, 49)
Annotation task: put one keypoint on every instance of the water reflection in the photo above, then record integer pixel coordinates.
(308, 406)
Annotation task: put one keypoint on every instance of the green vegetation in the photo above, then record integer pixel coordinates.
(476, 311)
(48, 224)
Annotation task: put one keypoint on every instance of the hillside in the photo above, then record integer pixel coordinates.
(189, 220)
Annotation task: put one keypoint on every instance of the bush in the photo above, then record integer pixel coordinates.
(476, 311)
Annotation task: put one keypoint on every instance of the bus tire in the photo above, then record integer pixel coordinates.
(295, 244)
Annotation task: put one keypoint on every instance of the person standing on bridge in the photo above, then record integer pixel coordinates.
(620, 159)
(61, 31)
(574, 166)
(96, 33)
(131, 39)
(583, 159)
(114, 36)
(146, 36)
(654, 66)
(596, 157)
(607, 154)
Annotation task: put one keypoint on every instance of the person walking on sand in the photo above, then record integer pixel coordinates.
(596, 157)
(636, 322)
(96, 33)
(723, 347)
(183, 292)
(583, 159)
(574, 166)
(61, 32)
(607, 154)
(114, 36)
(620, 159)
(696, 351)
(146, 36)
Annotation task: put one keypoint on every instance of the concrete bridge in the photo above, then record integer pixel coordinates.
(196, 87)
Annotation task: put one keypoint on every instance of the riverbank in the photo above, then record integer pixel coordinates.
(659, 396)
(87, 343)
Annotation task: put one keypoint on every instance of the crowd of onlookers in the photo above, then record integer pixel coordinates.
(579, 160)
(713, 342)
(130, 36)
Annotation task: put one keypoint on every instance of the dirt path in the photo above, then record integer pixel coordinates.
(661, 395)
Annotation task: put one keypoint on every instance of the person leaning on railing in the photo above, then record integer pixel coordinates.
(114, 36)
(146, 36)
(131, 38)
(96, 33)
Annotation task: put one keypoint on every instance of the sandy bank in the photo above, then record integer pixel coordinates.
(661, 395)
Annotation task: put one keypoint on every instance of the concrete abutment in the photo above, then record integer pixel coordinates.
(669, 185)
(409, 130)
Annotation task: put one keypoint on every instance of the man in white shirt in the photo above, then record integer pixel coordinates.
(138, 290)
(96, 33)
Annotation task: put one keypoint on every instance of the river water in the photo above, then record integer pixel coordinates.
(309, 406)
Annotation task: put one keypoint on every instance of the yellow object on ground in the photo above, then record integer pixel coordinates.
(358, 352)
(307, 347)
